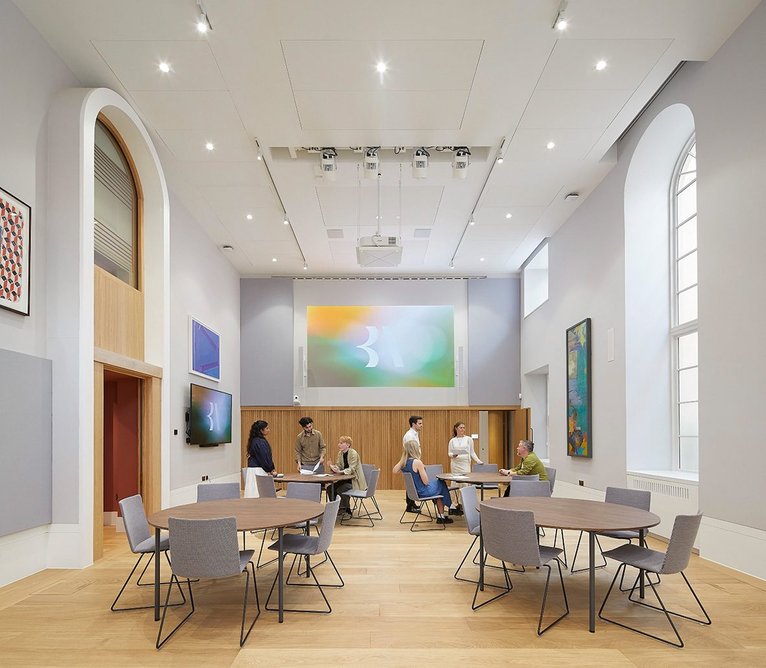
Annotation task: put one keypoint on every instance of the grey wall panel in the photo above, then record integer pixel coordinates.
(494, 341)
(266, 343)
(25, 442)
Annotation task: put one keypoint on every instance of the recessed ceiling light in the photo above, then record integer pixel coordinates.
(562, 24)
(550, 145)
(210, 146)
(381, 67)
(508, 216)
(472, 222)
(228, 248)
(164, 67)
(601, 65)
(286, 221)
(202, 26)
(481, 259)
(249, 216)
(451, 265)
(305, 266)
(500, 160)
(273, 259)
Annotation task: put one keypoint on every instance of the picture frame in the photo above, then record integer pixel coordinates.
(15, 253)
(204, 350)
(579, 390)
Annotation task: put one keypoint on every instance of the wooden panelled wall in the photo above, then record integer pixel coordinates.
(377, 433)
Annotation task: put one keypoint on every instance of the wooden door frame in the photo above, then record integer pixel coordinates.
(150, 441)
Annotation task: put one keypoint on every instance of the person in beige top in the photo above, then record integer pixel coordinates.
(348, 463)
(310, 447)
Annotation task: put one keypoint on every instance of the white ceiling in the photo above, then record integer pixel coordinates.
(491, 75)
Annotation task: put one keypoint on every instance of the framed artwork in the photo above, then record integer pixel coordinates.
(579, 436)
(205, 351)
(15, 224)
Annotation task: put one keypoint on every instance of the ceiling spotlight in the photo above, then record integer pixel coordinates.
(420, 163)
(460, 162)
(550, 145)
(164, 67)
(451, 265)
(371, 162)
(210, 146)
(508, 216)
(286, 220)
(249, 216)
(499, 160)
(203, 22)
(329, 164)
(471, 220)
(273, 259)
(560, 23)
(227, 248)
(305, 266)
(572, 196)
(601, 65)
(481, 259)
(259, 155)
(381, 67)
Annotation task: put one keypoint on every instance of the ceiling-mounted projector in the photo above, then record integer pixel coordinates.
(379, 251)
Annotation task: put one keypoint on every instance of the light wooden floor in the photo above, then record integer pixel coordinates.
(400, 606)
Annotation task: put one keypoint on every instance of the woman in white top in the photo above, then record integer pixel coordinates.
(461, 453)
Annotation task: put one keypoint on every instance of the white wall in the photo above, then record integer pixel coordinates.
(726, 97)
(203, 284)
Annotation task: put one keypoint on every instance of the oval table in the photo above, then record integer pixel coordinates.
(477, 478)
(250, 515)
(580, 515)
(316, 478)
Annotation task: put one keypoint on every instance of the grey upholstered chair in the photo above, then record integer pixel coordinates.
(635, 498)
(359, 496)
(305, 491)
(141, 541)
(214, 491)
(472, 520)
(511, 536)
(551, 476)
(307, 547)
(208, 549)
(412, 493)
(529, 478)
(520, 487)
(485, 468)
(266, 487)
(674, 560)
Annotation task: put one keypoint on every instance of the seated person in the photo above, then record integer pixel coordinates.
(530, 463)
(348, 463)
(410, 463)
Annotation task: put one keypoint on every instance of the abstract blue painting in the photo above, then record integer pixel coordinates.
(205, 350)
(579, 438)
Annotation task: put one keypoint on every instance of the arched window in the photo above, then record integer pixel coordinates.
(116, 209)
(683, 330)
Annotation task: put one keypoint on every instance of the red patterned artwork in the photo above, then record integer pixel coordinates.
(14, 253)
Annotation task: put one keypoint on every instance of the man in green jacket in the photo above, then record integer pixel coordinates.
(530, 462)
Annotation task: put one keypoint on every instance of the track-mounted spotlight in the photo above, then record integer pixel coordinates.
(371, 163)
(460, 162)
(420, 163)
(329, 164)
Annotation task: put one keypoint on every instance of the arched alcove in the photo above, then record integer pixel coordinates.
(648, 419)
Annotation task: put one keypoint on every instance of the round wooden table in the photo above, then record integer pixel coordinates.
(477, 478)
(316, 478)
(250, 515)
(580, 515)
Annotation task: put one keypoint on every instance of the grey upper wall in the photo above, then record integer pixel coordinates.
(490, 349)
(266, 341)
(727, 96)
(493, 341)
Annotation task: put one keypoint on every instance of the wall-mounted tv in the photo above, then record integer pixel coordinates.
(209, 416)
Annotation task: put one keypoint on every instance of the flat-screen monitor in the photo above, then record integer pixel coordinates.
(209, 416)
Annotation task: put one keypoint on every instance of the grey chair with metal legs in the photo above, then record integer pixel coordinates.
(519, 487)
(266, 490)
(208, 549)
(213, 491)
(473, 523)
(486, 468)
(141, 541)
(412, 493)
(359, 496)
(307, 547)
(635, 498)
(368, 469)
(511, 536)
(674, 560)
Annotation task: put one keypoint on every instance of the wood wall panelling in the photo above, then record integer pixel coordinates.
(377, 433)
(118, 316)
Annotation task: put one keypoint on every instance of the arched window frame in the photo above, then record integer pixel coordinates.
(138, 200)
(684, 335)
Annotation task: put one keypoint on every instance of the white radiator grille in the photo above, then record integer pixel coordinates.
(676, 490)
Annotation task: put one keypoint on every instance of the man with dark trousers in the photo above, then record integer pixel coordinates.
(413, 434)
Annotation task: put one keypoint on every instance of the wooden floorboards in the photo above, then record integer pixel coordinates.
(400, 606)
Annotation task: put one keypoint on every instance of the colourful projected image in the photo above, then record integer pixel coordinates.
(380, 346)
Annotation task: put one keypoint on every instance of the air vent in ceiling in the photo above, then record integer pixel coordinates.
(334, 233)
(422, 233)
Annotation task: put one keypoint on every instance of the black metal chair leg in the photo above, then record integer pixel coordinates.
(160, 642)
(145, 584)
(505, 590)
(540, 630)
(242, 635)
(577, 549)
(316, 583)
(563, 545)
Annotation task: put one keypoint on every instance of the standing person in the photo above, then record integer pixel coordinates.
(310, 448)
(259, 450)
(412, 434)
(411, 463)
(348, 463)
(461, 453)
(530, 463)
